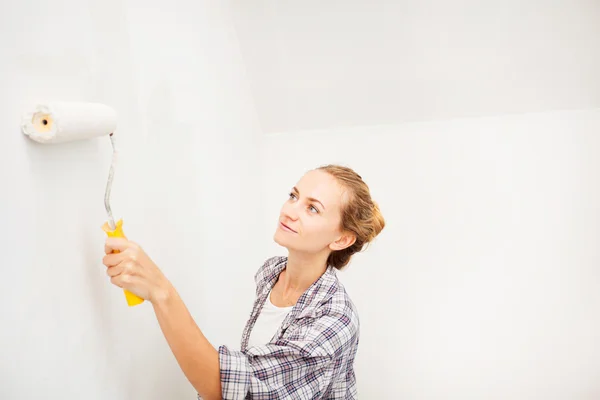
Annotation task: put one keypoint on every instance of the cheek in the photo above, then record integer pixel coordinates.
(319, 229)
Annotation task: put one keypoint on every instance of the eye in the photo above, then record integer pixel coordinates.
(292, 195)
(313, 209)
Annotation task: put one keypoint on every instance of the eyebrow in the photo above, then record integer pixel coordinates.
(309, 198)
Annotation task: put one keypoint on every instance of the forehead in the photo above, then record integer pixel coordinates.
(321, 186)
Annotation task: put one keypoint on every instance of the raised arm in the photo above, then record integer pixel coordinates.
(132, 269)
(198, 359)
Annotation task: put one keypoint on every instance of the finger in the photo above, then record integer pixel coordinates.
(115, 271)
(131, 284)
(125, 268)
(129, 268)
(110, 260)
(111, 244)
(117, 280)
(124, 281)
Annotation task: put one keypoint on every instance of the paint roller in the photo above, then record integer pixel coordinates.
(61, 122)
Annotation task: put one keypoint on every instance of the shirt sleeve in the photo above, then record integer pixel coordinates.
(286, 369)
(283, 373)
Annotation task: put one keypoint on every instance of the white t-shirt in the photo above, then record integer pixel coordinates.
(268, 322)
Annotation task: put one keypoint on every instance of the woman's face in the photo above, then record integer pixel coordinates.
(309, 221)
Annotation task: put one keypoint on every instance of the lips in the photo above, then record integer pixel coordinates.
(287, 228)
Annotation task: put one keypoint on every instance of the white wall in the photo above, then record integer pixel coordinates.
(329, 64)
(187, 136)
(484, 283)
(486, 272)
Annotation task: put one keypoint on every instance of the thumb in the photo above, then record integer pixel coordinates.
(114, 243)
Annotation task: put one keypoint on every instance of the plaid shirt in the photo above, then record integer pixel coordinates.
(312, 354)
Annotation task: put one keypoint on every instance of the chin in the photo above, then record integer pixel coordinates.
(283, 239)
(279, 240)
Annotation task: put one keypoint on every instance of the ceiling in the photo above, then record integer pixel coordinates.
(330, 64)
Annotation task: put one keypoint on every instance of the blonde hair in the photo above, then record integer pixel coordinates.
(360, 214)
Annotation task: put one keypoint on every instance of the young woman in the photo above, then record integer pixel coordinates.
(303, 332)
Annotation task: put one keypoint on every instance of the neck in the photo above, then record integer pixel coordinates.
(302, 270)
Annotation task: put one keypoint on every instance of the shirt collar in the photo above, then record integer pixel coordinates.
(318, 293)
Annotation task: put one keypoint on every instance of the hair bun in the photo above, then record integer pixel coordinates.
(377, 222)
(360, 214)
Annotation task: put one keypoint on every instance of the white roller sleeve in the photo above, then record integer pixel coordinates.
(60, 122)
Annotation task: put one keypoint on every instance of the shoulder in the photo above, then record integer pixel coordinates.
(333, 299)
(330, 328)
(339, 323)
(269, 270)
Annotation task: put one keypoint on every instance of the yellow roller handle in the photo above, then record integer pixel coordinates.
(132, 299)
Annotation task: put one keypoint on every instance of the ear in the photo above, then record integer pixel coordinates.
(346, 240)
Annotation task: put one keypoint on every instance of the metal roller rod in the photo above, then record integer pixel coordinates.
(111, 173)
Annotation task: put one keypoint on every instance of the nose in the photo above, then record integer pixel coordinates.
(289, 211)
